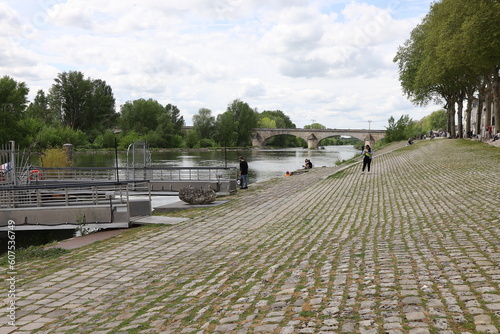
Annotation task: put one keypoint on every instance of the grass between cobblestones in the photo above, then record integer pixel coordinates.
(411, 247)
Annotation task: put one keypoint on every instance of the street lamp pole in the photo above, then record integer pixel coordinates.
(369, 121)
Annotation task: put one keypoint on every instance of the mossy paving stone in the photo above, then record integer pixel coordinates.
(354, 253)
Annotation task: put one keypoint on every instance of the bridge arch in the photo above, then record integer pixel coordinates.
(313, 136)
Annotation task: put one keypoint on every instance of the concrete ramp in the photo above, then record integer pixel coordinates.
(158, 220)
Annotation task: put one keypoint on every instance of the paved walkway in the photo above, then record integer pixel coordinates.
(411, 247)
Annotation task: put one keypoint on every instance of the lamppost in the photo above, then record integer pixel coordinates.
(369, 121)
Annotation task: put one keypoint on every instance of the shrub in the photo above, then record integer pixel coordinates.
(207, 143)
(127, 139)
(55, 157)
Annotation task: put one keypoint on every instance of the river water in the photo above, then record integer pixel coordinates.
(263, 164)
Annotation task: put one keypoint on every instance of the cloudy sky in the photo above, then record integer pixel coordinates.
(328, 61)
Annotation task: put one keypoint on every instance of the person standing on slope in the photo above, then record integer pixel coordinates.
(367, 158)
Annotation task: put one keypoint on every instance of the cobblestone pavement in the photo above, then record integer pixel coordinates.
(411, 247)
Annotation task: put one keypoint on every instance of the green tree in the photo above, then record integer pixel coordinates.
(435, 121)
(127, 138)
(226, 130)
(402, 129)
(235, 126)
(176, 118)
(83, 104)
(282, 121)
(140, 115)
(13, 100)
(451, 54)
(159, 126)
(266, 122)
(30, 128)
(57, 136)
(316, 126)
(170, 124)
(204, 123)
(193, 139)
(105, 140)
(277, 119)
(102, 115)
(40, 109)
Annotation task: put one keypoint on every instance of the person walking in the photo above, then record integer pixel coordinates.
(367, 158)
(243, 173)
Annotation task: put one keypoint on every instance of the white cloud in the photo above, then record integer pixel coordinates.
(252, 88)
(317, 59)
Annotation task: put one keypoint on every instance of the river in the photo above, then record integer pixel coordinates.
(263, 164)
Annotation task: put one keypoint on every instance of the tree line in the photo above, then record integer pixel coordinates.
(81, 111)
(453, 56)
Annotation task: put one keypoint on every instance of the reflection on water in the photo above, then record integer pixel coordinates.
(263, 164)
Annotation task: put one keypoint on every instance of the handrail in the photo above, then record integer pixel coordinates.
(66, 185)
(68, 194)
(200, 173)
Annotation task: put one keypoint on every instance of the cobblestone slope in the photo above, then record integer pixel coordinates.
(411, 247)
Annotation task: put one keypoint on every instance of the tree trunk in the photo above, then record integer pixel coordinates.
(487, 115)
(450, 107)
(479, 114)
(453, 123)
(496, 100)
(468, 111)
(460, 118)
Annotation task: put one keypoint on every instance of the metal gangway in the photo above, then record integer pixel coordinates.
(66, 205)
(168, 180)
(16, 170)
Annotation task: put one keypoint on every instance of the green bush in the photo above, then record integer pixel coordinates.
(154, 139)
(127, 139)
(98, 142)
(174, 141)
(193, 139)
(58, 136)
(205, 143)
(55, 157)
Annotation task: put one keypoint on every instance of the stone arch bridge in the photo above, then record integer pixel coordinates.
(314, 136)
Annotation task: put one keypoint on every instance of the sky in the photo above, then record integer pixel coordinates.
(323, 61)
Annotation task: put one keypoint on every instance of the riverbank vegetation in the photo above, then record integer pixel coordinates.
(81, 111)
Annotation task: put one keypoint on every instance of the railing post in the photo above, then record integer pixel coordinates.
(13, 161)
(38, 198)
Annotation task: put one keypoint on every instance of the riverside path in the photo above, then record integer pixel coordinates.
(411, 247)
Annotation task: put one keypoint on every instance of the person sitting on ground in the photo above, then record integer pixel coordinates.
(308, 164)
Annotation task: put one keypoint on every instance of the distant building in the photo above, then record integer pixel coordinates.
(479, 124)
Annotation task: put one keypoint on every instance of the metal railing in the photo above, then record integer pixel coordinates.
(68, 194)
(133, 174)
